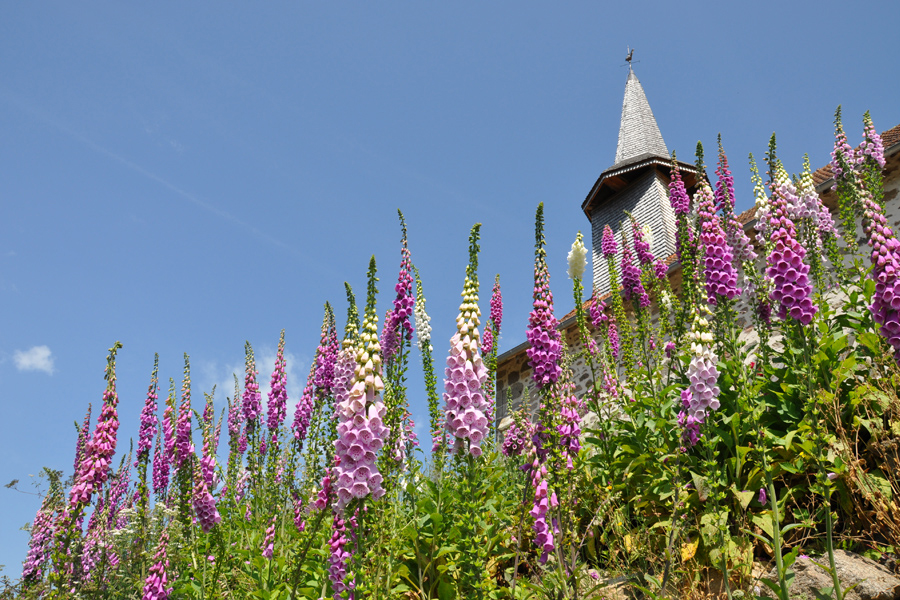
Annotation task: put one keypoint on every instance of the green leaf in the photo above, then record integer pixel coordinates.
(743, 497)
(764, 522)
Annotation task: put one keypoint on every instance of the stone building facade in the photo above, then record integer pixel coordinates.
(638, 183)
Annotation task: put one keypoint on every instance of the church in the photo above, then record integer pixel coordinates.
(637, 183)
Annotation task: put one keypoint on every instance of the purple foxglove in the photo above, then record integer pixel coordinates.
(339, 559)
(608, 243)
(886, 273)
(303, 411)
(404, 303)
(252, 396)
(872, 147)
(678, 196)
(641, 244)
(487, 342)
(390, 339)
(544, 500)
(326, 355)
(515, 442)
(39, 545)
(299, 514)
(184, 448)
(160, 467)
(788, 274)
(148, 419)
(277, 406)
(631, 279)
(545, 348)
(155, 584)
(718, 268)
(95, 464)
(82, 438)
(735, 236)
(569, 426)
(496, 305)
(204, 504)
(268, 545)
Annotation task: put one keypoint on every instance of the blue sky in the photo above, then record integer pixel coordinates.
(184, 177)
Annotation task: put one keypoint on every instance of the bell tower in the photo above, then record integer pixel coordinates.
(637, 182)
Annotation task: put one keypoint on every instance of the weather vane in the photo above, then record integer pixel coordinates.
(629, 58)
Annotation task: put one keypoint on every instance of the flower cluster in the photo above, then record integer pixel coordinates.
(268, 545)
(326, 354)
(702, 392)
(361, 411)
(718, 270)
(465, 402)
(544, 339)
(599, 318)
(608, 243)
(339, 559)
(277, 405)
(886, 273)
(204, 504)
(39, 545)
(569, 426)
(577, 258)
(210, 443)
(235, 415)
(148, 419)
(251, 389)
(160, 467)
(184, 449)
(496, 304)
(735, 236)
(678, 196)
(94, 469)
(641, 243)
(155, 584)
(516, 439)
(631, 279)
(390, 338)
(786, 270)
(82, 438)
(842, 153)
(404, 302)
(544, 500)
(303, 411)
(299, 514)
(423, 325)
(487, 341)
(872, 146)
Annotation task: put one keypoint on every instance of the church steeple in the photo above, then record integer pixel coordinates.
(638, 132)
(637, 182)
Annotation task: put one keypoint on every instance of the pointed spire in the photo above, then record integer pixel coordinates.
(638, 133)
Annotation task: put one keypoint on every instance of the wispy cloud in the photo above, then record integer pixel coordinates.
(38, 358)
(195, 199)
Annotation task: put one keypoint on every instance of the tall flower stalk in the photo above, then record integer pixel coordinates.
(543, 338)
(145, 441)
(465, 405)
(361, 430)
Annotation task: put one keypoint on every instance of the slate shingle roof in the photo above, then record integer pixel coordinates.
(638, 132)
